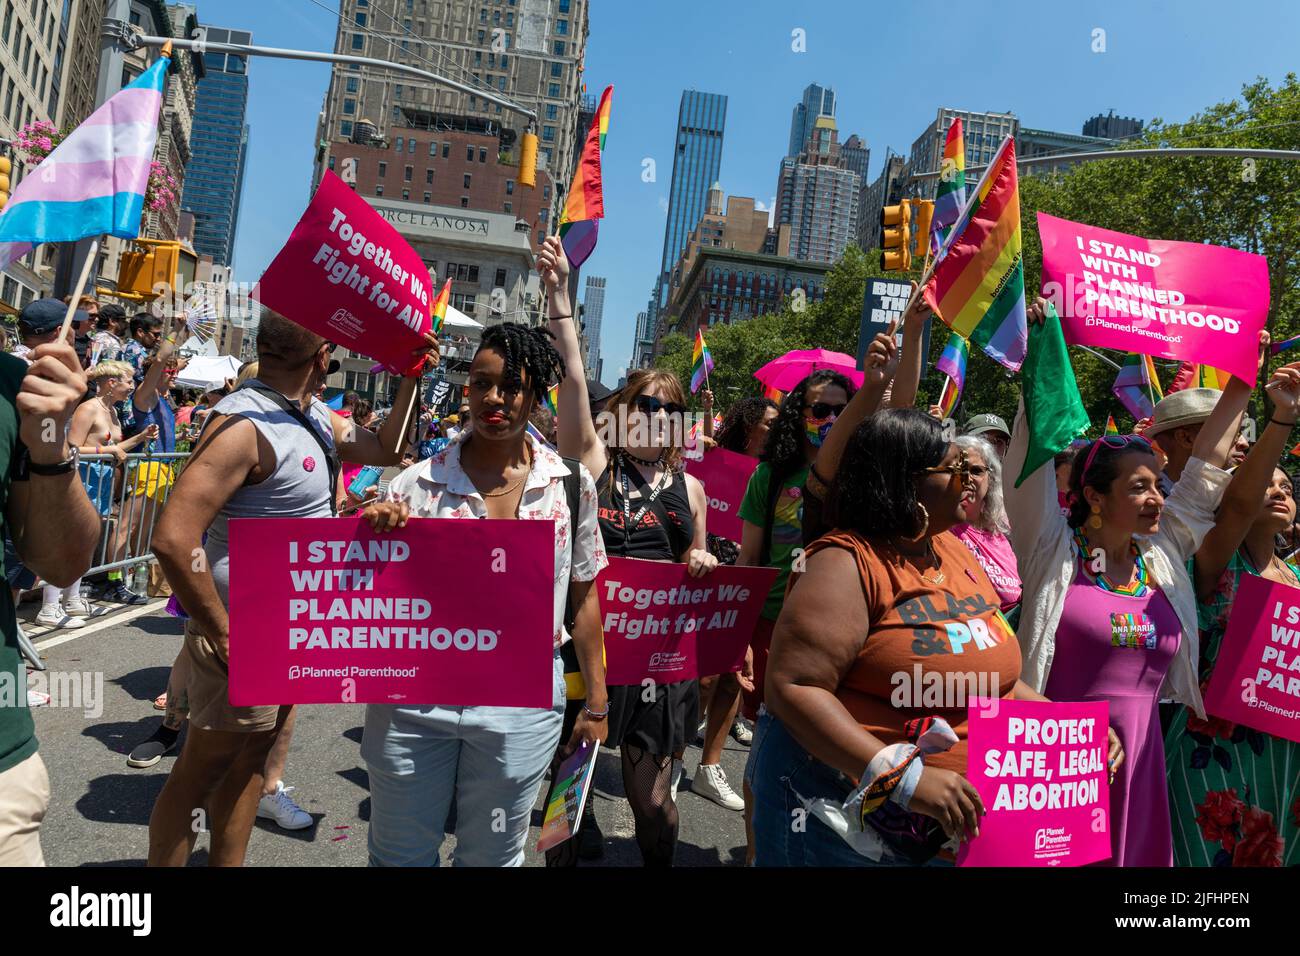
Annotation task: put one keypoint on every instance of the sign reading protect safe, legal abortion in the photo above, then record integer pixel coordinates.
(663, 625)
(1042, 772)
(1256, 679)
(1179, 300)
(349, 276)
(725, 476)
(326, 611)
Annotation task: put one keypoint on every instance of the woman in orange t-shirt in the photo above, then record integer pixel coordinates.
(843, 697)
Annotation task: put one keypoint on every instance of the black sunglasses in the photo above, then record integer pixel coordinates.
(825, 409)
(651, 405)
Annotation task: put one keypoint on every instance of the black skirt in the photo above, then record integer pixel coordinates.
(664, 725)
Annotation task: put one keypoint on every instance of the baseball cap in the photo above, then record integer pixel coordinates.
(45, 315)
(982, 424)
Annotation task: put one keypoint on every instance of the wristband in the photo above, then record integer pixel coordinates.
(61, 468)
(593, 714)
(569, 316)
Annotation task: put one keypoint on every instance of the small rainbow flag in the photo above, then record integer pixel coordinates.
(978, 285)
(951, 395)
(953, 360)
(553, 399)
(773, 394)
(951, 195)
(701, 362)
(1285, 344)
(1111, 427)
(438, 311)
(586, 200)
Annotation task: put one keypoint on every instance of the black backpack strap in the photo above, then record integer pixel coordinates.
(332, 462)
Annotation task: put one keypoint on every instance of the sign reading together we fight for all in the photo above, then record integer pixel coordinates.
(349, 276)
(1178, 300)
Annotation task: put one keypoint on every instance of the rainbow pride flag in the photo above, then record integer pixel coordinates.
(95, 180)
(701, 362)
(953, 360)
(1285, 344)
(978, 284)
(1213, 377)
(773, 394)
(438, 311)
(1111, 427)
(950, 396)
(1133, 386)
(585, 203)
(553, 399)
(951, 195)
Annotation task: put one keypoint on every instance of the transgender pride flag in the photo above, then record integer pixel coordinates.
(94, 182)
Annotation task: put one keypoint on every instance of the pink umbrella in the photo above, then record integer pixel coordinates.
(793, 367)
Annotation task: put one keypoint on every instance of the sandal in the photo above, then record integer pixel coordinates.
(160, 702)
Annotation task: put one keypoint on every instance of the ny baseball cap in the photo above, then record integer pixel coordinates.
(982, 424)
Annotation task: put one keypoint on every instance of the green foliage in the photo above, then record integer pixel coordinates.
(1225, 201)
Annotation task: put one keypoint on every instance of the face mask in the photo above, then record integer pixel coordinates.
(818, 429)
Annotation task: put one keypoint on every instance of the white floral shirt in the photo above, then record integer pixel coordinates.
(439, 488)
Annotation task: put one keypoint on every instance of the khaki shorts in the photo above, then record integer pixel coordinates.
(207, 687)
(24, 798)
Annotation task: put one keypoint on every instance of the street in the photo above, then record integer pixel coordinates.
(99, 808)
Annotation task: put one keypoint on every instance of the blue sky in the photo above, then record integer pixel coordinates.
(891, 67)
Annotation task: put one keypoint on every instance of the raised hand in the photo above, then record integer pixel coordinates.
(50, 392)
(552, 264)
(880, 364)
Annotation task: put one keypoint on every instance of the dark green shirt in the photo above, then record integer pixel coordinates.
(17, 733)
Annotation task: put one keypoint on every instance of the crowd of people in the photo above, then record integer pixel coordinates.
(884, 529)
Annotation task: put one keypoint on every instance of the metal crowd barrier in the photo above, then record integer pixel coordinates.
(129, 498)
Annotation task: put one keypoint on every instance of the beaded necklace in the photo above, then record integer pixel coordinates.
(1138, 587)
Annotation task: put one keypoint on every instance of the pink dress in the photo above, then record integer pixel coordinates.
(1117, 648)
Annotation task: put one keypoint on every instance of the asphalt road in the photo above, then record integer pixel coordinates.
(99, 807)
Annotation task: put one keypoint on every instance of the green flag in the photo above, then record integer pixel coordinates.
(1053, 409)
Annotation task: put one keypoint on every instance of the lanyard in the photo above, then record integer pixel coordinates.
(631, 521)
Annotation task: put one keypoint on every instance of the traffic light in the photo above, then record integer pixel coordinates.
(6, 167)
(528, 160)
(895, 245)
(924, 214)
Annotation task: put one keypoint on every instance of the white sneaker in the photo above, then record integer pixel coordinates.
(279, 806)
(678, 771)
(740, 733)
(711, 783)
(37, 699)
(53, 615)
(76, 607)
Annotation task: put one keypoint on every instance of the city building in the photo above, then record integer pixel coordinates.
(697, 160)
(530, 53)
(643, 346)
(817, 101)
(727, 285)
(728, 223)
(817, 198)
(176, 122)
(885, 191)
(78, 51)
(488, 256)
(214, 180)
(1036, 143)
(593, 310)
(982, 132)
(454, 163)
(856, 155)
(1111, 126)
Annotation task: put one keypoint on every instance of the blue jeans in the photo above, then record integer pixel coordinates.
(780, 771)
(490, 760)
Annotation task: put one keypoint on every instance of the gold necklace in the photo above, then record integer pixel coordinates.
(528, 460)
(939, 577)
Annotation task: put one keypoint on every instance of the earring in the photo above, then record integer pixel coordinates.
(925, 523)
(1095, 521)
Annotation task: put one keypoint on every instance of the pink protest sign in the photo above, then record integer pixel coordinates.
(1177, 300)
(663, 624)
(347, 275)
(1256, 679)
(725, 475)
(326, 611)
(1041, 772)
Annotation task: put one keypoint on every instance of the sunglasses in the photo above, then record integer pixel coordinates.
(825, 409)
(651, 405)
(1116, 443)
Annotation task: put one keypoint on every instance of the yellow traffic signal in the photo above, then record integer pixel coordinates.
(924, 214)
(6, 167)
(896, 253)
(528, 160)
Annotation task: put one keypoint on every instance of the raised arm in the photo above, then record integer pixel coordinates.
(361, 446)
(1215, 439)
(1241, 502)
(575, 434)
(908, 377)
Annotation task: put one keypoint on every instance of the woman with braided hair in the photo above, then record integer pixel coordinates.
(489, 759)
(652, 510)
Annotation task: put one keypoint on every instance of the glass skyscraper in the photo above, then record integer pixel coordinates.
(214, 178)
(697, 159)
(817, 101)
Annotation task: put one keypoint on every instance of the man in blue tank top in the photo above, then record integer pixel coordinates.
(256, 458)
